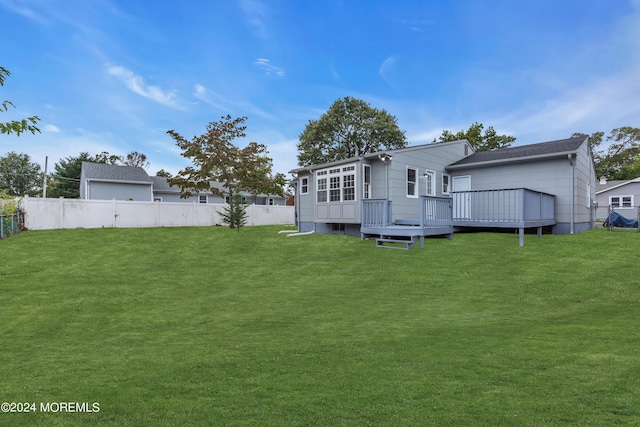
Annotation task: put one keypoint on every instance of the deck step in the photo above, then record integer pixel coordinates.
(409, 244)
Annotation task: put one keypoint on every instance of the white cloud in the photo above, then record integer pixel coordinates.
(136, 84)
(269, 69)
(386, 68)
(255, 13)
(51, 128)
(335, 75)
(226, 105)
(601, 105)
(23, 10)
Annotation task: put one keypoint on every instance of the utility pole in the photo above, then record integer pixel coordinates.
(44, 184)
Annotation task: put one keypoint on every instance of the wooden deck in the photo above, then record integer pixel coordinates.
(434, 220)
(518, 208)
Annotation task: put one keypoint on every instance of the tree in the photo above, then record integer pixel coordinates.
(164, 173)
(135, 158)
(350, 128)
(258, 179)
(105, 157)
(235, 213)
(621, 158)
(17, 126)
(19, 176)
(490, 140)
(65, 179)
(217, 160)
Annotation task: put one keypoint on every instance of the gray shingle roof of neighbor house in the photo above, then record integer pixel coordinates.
(521, 153)
(105, 172)
(160, 184)
(610, 185)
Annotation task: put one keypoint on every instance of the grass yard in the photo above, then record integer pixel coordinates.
(203, 326)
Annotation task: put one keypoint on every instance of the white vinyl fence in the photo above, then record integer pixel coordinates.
(47, 214)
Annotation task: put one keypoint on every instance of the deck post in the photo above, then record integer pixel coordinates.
(422, 242)
(521, 232)
(539, 232)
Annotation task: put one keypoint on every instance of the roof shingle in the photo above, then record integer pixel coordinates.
(103, 171)
(541, 149)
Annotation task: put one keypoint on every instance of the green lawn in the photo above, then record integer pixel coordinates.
(198, 326)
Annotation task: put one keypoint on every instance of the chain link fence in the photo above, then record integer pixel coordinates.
(613, 223)
(11, 224)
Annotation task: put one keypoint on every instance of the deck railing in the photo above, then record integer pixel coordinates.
(506, 206)
(435, 212)
(376, 213)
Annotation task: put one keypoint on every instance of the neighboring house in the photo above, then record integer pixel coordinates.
(622, 196)
(103, 181)
(429, 189)
(100, 181)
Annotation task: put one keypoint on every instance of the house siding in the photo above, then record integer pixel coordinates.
(98, 190)
(305, 203)
(434, 158)
(553, 176)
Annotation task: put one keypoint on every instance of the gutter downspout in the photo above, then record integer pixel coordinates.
(383, 158)
(573, 191)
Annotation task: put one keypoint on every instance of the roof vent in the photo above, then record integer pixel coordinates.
(603, 180)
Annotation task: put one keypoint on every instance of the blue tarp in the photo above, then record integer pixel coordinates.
(618, 220)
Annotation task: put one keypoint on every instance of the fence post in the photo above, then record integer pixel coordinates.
(60, 212)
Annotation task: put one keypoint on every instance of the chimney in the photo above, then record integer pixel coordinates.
(603, 180)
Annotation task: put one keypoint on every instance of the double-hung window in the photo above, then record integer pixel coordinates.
(366, 188)
(430, 178)
(304, 185)
(412, 182)
(348, 187)
(336, 184)
(322, 186)
(334, 188)
(445, 183)
(621, 201)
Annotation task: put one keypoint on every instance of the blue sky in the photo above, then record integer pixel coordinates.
(115, 75)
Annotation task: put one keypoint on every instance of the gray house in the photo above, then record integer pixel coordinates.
(106, 182)
(622, 196)
(99, 181)
(431, 189)
(562, 168)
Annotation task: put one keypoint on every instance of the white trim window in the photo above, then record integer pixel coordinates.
(430, 180)
(203, 198)
(157, 198)
(336, 184)
(412, 182)
(349, 187)
(321, 186)
(366, 181)
(304, 185)
(588, 195)
(446, 183)
(621, 202)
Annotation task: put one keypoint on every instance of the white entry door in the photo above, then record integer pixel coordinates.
(461, 208)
